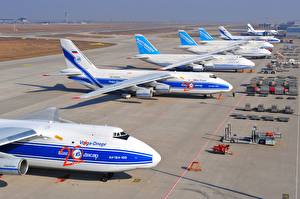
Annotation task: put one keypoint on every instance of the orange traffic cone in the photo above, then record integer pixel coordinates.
(195, 166)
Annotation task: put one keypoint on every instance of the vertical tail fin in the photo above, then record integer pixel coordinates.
(186, 39)
(204, 36)
(74, 55)
(76, 59)
(144, 46)
(224, 33)
(250, 28)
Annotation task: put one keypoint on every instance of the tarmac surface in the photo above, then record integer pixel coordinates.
(181, 128)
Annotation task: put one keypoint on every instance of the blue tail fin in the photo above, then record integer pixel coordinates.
(204, 36)
(144, 46)
(186, 39)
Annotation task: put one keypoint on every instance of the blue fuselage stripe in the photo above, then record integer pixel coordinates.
(172, 84)
(71, 58)
(86, 154)
(10, 169)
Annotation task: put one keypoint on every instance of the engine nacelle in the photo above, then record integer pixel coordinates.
(162, 88)
(197, 67)
(144, 93)
(13, 166)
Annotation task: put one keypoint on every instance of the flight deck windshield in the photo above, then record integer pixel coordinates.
(121, 135)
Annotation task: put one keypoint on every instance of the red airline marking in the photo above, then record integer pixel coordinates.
(70, 154)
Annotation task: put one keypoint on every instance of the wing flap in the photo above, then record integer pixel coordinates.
(12, 134)
(129, 83)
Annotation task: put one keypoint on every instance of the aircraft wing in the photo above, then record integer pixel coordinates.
(203, 57)
(129, 83)
(12, 134)
(49, 114)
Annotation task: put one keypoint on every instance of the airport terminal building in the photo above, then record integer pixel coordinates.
(293, 31)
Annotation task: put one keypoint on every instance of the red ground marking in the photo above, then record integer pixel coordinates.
(169, 191)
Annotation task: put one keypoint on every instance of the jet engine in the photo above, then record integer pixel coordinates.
(144, 92)
(161, 88)
(196, 67)
(13, 166)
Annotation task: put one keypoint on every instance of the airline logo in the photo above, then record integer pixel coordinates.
(77, 154)
(76, 55)
(224, 33)
(92, 143)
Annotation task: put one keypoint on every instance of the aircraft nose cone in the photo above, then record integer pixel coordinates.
(267, 52)
(156, 158)
(268, 46)
(248, 62)
(230, 87)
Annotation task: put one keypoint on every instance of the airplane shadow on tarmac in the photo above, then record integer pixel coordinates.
(56, 87)
(114, 96)
(74, 175)
(216, 188)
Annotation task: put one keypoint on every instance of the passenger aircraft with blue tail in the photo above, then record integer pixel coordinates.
(211, 61)
(228, 36)
(141, 83)
(241, 48)
(44, 140)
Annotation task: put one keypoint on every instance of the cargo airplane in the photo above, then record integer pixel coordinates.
(211, 61)
(228, 36)
(241, 48)
(44, 140)
(252, 31)
(141, 83)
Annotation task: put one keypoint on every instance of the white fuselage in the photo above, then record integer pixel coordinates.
(247, 51)
(181, 82)
(269, 39)
(80, 147)
(262, 32)
(217, 63)
(250, 43)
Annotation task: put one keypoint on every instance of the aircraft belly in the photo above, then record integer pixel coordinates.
(57, 164)
(195, 91)
(196, 87)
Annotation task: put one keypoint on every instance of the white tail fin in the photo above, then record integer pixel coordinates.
(250, 28)
(71, 51)
(76, 59)
(224, 33)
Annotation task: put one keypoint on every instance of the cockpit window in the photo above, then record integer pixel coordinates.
(121, 135)
(213, 76)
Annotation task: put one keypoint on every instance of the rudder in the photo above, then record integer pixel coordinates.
(204, 35)
(186, 39)
(144, 46)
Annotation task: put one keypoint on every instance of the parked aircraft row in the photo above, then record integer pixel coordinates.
(252, 31)
(225, 34)
(43, 139)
